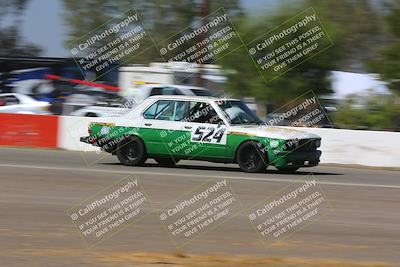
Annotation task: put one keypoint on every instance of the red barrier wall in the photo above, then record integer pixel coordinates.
(28, 130)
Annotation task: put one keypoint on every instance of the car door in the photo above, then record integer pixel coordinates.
(206, 133)
(162, 126)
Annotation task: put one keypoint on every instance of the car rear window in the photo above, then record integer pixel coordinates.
(200, 92)
(165, 91)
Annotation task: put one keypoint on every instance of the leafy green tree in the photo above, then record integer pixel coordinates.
(313, 74)
(373, 112)
(355, 26)
(358, 27)
(388, 63)
(161, 18)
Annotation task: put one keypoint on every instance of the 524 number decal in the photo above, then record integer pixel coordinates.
(209, 134)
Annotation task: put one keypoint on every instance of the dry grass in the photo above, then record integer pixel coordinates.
(106, 258)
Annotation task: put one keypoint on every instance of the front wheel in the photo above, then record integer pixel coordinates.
(166, 162)
(131, 152)
(287, 169)
(250, 158)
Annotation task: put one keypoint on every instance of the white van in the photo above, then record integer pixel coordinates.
(138, 95)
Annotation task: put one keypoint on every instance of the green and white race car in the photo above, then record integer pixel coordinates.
(173, 128)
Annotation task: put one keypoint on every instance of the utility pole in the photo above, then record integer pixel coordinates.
(204, 9)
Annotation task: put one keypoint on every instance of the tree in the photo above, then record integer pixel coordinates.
(161, 18)
(312, 74)
(11, 43)
(355, 26)
(388, 63)
(359, 30)
(373, 112)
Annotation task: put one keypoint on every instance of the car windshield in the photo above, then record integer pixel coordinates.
(238, 113)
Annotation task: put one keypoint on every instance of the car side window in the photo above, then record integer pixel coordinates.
(171, 91)
(151, 111)
(202, 112)
(180, 108)
(165, 91)
(11, 100)
(166, 110)
(156, 91)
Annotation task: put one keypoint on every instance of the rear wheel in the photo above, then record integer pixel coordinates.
(90, 114)
(250, 158)
(167, 161)
(131, 152)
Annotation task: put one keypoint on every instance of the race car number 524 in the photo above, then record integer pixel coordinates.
(209, 134)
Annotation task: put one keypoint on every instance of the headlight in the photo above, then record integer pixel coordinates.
(292, 144)
(45, 108)
(274, 143)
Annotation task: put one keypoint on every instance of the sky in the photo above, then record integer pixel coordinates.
(43, 23)
(43, 26)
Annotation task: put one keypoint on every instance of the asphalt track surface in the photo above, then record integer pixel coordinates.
(37, 187)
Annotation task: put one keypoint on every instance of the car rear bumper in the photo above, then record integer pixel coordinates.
(88, 140)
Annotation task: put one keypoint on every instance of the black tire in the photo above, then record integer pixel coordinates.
(167, 161)
(250, 158)
(288, 169)
(90, 114)
(131, 152)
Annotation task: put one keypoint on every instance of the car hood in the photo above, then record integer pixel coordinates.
(274, 132)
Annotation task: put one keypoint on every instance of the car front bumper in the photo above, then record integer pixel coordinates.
(295, 158)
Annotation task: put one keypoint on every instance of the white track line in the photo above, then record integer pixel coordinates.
(198, 175)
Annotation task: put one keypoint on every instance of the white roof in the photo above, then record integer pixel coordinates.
(173, 85)
(145, 69)
(24, 98)
(185, 97)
